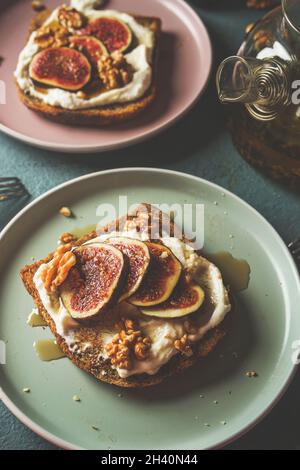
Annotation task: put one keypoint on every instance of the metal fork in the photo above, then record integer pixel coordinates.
(294, 248)
(11, 188)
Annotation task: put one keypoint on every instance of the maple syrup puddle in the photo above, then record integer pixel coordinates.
(82, 231)
(35, 320)
(235, 272)
(48, 350)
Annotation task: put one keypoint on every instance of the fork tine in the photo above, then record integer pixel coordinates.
(10, 181)
(5, 197)
(5, 189)
(7, 178)
(12, 191)
(11, 187)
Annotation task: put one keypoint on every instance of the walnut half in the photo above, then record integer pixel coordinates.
(56, 271)
(53, 35)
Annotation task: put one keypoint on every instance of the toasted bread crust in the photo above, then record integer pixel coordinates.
(104, 115)
(103, 371)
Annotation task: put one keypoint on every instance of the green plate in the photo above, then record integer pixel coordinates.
(185, 413)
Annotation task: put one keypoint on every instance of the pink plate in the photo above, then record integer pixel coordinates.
(185, 64)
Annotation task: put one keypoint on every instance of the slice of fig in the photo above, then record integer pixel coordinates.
(138, 257)
(162, 276)
(61, 68)
(93, 283)
(185, 299)
(114, 33)
(91, 47)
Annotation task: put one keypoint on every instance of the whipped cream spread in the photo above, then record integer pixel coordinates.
(163, 332)
(140, 58)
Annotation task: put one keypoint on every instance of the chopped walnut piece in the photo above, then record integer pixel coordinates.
(70, 18)
(127, 345)
(68, 260)
(67, 237)
(65, 211)
(37, 5)
(49, 273)
(119, 355)
(114, 71)
(183, 346)
(141, 350)
(56, 271)
(53, 35)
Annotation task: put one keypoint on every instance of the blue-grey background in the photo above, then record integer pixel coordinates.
(199, 145)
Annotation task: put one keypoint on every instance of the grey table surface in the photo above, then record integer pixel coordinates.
(199, 145)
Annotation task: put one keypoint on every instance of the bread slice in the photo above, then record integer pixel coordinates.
(102, 115)
(89, 361)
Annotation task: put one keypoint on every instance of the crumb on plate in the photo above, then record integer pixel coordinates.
(251, 373)
(65, 211)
